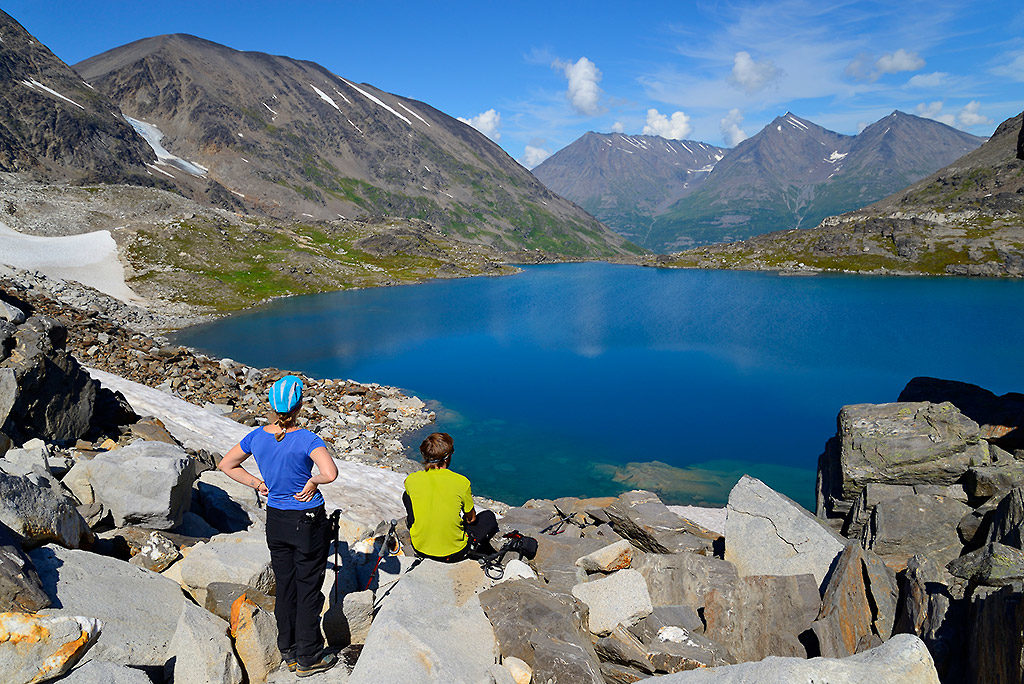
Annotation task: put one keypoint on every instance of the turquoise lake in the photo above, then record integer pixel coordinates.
(591, 379)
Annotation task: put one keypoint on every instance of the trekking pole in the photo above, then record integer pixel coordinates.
(390, 539)
(336, 533)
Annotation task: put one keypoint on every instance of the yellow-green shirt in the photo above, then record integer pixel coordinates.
(439, 498)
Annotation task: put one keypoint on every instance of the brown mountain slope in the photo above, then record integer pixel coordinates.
(966, 219)
(291, 139)
(52, 124)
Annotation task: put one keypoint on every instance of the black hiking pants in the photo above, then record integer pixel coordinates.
(298, 542)
(480, 532)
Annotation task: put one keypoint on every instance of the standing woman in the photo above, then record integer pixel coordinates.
(297, 526)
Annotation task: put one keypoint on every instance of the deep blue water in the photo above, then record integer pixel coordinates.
(552, 380)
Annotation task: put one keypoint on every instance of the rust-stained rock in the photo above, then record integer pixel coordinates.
(37, 648)
(845, 617)
(255, 633)
(617, 556)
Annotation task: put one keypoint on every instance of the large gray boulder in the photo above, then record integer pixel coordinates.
(618, 599)
(139, 609)
(239, 558)
(227, 505)
(431, 628)
(923, 524)
(684, 578)
(643, 519)
(200, 651)
(764, 615)
(535, 625)
(20, 588)
(55, 398)
(38, 515)
(904, 443)
(148, 484)
(35, 648)
(904, 659)
(767, 533)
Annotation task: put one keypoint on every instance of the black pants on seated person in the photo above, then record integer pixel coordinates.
(480, 533)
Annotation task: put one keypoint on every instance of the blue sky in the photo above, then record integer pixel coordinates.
(535, 76)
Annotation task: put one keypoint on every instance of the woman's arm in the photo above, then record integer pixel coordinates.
(231, 465)
(328, 473)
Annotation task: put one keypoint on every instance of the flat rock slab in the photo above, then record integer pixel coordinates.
(139, 609)
(618, 599)
(904, 659)
(922, 524)
(764, 615)
(95, 671)
(709, 518)
(529, 620)
(240, 558)
(684, 578)
(431, 628)
(768, 533)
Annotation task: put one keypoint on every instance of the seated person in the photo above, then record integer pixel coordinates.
(439, 506)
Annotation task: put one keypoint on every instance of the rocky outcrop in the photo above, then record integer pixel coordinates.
(769, 534)
(902, 660)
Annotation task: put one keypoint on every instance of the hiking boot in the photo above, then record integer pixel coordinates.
(290, 661)
(326, 662)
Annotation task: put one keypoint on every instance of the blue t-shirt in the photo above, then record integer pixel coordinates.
(285, 466)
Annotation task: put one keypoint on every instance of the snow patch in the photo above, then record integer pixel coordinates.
(796, 123)
(342, 95)
(244, 159)
(778, 128)
(269, 109)
(153, 136)
(375, 100)
(325, 97)
(836, 156)
(686, 148)
(413, 113)
(159, 170)
(89, 258)
(238, 193)
(33, 83)
(354, 126)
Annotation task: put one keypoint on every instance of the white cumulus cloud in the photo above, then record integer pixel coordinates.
(901, 60)
(486, 122)
(533, 156)
(969, 115)
(751, 75)
(617, 127)
(583, 93)
(932, 80)
(731, 131)
(675, 127)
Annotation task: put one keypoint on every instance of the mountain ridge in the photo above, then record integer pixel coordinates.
(293, 140)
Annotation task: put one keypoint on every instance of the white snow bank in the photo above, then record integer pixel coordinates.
(325, 97)
(365, 495)
(371, 98)
(90, 259)
(153, 136)
(33, 83)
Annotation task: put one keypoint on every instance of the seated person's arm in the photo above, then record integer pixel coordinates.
(409, 518)
(470, 516)
(467, 505)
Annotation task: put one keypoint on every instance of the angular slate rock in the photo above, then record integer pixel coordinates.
(643, 519)
(20, 588)
(919, 524)
(556, 558)
(997, 416)
(1007, 520)
(684, 578)
(625, 649)
(38, 515)
(906, 443)
(525, 614)
(994, 565)
(768, 533)
(676, 649)
(254, 631)
(201, 651)
(563, 662)
(765, 615)
(845, 624)
(240, 558)
(683, 617)
(996, 635)
(928, 609)
(985, 481)
(616, 556)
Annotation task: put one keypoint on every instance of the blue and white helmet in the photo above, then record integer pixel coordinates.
(286, 394)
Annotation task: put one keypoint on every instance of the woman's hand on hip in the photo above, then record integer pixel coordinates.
(263, 489)
(308, 492)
